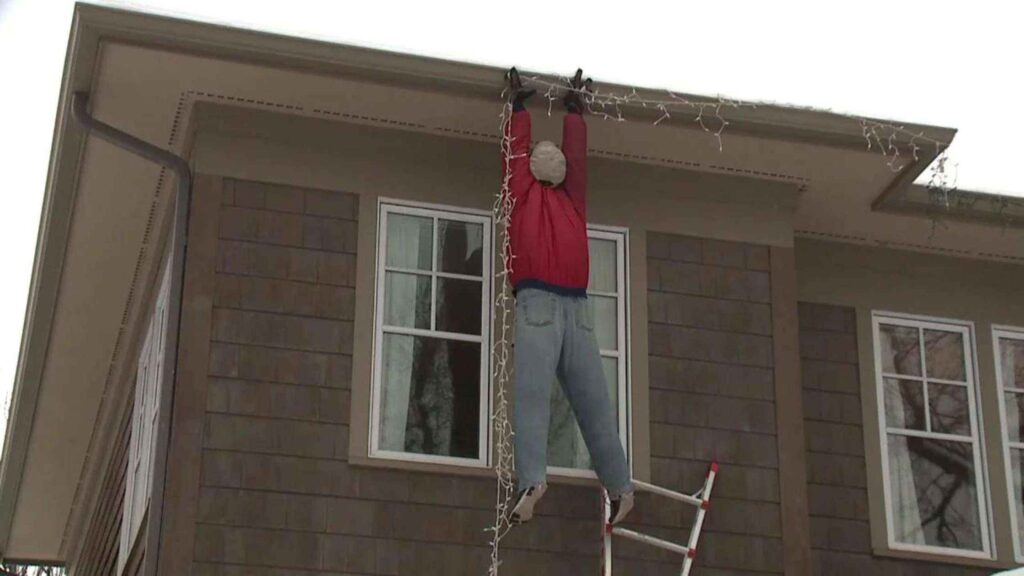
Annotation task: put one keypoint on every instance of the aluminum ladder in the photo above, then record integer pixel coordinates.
(700, 499)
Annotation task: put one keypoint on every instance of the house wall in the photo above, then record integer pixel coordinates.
(272, 398)
(839, 286)
(712, 397)
(278, 486)
(836, 470)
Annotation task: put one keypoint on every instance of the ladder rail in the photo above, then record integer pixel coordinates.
(698, 524)
(700, 500)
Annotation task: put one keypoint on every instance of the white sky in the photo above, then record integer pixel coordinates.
(935, 62)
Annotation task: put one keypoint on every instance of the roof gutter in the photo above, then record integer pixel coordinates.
(183, 175)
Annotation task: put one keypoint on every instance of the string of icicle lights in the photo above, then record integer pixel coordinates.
(710, 116)
(883, 137)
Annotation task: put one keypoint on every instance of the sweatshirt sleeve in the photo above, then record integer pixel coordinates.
(518, 167)
(574, 146)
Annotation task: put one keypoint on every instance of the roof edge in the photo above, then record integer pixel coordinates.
(443, 75)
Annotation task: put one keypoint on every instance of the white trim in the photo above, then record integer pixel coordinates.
(1009, 333)
(439, 274)
(619, 235)
(423, 332)
(142, 443)
(435, 213)
(966, 329)
(894, 376)
(945, 437)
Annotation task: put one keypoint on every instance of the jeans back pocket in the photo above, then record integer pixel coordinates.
(538, 308)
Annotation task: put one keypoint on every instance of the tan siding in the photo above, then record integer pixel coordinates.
(278, 494)
(712, 397)
(836, 474)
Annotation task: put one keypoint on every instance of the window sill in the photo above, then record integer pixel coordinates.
(455, 470)
(941, 558)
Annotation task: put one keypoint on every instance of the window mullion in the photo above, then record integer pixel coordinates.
(924, 383)
(433, 276)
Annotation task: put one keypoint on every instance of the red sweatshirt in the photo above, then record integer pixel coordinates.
(548, 233)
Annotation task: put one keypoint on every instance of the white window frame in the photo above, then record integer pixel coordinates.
(1008, 333)
(436, 211)
(966, 329)
(142, 444)
(620, 236)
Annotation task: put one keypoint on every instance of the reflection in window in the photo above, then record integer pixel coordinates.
(606, 293)
(430, 368)
(934, 477)
(1010, 374)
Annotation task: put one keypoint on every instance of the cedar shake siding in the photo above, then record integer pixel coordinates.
(712, 397)
(836, 473)
(278, 494)
(100, 547)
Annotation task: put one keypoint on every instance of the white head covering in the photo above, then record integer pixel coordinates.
(547, 163)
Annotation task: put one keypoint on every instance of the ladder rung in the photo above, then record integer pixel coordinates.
(667, 493)
(664, 544)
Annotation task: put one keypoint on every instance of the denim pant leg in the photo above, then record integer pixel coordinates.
(587, 391)
(538, 341)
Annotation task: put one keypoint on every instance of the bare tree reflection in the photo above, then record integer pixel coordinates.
(943, 470)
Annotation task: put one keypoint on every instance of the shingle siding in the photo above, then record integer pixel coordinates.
(278, 495)
(712, 397)
(836, 471)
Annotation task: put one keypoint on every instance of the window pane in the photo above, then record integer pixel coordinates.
(460, 247)
(458, 305)
(407, 300)
(606, 321)
(933, 491)
(1011, 354)
(949, 409)
(410, 241)
(1015, 417)
(944, 355)
(904, 404)
(1017, 472)
(430, 396)
(566, 448)
(603, 270)
(900, 349)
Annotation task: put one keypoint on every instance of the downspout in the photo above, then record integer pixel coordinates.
(182, 199)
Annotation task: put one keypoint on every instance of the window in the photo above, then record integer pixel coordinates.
(931, 457)
(567, 453)
(141, 446)
(1009, 349)
(432, 332)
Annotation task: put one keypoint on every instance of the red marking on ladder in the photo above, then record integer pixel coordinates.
(705, 504)
(692, 552)
(714, 467)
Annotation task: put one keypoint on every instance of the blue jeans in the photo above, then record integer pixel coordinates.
(555, 337)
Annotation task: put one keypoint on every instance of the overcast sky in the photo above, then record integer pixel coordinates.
(947, 63)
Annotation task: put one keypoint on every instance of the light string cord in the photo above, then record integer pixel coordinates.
(885, 137)
(504, 204)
